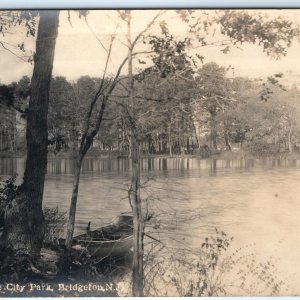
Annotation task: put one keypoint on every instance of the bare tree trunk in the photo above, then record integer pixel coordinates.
(24, 221)
(1, 139)
(73, 137)
(170, 141)
(227, 141)
(86, 143)
(160, 144)
(130, 145)
(138, 222)
(14, 138)
(214, 132)
(73, 205)
(290, 147)
(195, 136)
(134, 192)
(89, 132)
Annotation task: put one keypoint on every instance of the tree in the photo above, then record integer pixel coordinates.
(15, 94)
(13, 102)
(134, 191)
(91, 124)
(233, 119)
(63, 117)
(164, 114)
(24, 220)
(169, 58)
(214, 97)
(273, 35)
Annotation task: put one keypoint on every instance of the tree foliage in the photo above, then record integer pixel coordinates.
(23, 20)
(274, 36)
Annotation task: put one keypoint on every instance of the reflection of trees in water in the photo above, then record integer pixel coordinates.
(11, 166)
(165, 167)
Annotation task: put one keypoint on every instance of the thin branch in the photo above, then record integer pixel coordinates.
(151, 237)
(97, 95)
(95, 35)
(91, 136)
(115, 81)
(9, 44)
(120, 82)
(147, 28)
(224, 42)
(120, 96)
(140, 97)
(110, 119)
(13, 53)
(69, 18)
(151, 99)
(107, 59)
(87, 138)
(142, 52)
(124, 44)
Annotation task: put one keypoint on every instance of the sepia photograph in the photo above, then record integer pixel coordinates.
(149, 152)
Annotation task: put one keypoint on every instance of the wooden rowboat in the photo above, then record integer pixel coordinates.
(112, 240)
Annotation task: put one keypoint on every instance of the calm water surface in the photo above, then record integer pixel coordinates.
(255, 201)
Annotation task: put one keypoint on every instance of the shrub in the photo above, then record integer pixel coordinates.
(54, 225)
(204, 151)
(14, 266)
(186, 273)
(8, 191)
(263, 149)
(214, 270)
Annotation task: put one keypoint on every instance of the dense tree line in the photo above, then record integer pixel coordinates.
(206, 111)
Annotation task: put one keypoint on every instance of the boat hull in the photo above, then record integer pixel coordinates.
(111, 248)
(112, 240)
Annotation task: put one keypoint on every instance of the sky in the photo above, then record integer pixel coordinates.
(80, 47)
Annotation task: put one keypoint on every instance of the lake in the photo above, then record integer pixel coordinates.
(255, 201)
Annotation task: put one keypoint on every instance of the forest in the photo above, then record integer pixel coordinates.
(215, 115)
(159, 96)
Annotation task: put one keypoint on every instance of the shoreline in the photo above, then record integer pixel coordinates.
(225, 155)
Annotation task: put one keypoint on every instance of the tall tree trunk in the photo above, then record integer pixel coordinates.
(170, 140)
(160, 144)
(138, 221)
(290, 147)
(214, 132)
(134, 192)
(73, 205)
(14, 139)
(24, 221)
(195, 136)
(227, 141)
(149, 143)
(1, 140)
(129, 138)
(73, 137)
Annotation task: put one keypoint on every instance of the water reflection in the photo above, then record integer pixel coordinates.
(56, 166)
